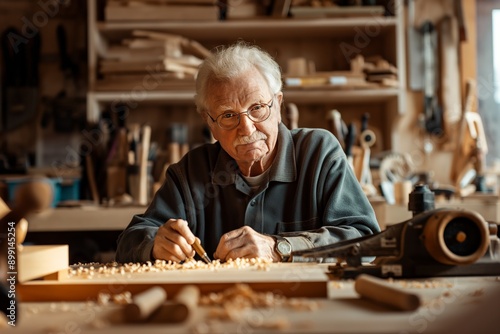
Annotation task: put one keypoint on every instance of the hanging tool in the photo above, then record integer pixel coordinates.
(362, 167)
(432, 111)
(292, 116)
(471, 147)
(20, 82)
(67, 108)
(349, 143)
(337, 126)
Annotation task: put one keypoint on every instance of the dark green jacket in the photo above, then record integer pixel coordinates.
(312, 197)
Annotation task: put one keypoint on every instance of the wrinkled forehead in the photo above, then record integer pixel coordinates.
(250, 85)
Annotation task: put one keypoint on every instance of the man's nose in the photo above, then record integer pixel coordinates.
(246, 124)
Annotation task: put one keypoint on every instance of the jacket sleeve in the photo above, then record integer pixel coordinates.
(135, 243)
(347, 212)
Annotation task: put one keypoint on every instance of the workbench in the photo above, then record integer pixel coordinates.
(457, 305)
(72, 306)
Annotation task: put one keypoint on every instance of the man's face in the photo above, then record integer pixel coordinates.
(251, 144)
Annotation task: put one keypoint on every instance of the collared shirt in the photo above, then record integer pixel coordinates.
(312, 197)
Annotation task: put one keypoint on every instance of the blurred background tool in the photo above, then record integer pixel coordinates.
(292, 116)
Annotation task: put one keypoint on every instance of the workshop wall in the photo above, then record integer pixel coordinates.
(42, 134)
(431, 153)
(44, 139)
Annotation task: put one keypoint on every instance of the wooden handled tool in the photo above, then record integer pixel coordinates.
(143, 165)
(177, 310)
(380, 291)
(200, 251)
(144, 304)
(337, 126)
(185, 304)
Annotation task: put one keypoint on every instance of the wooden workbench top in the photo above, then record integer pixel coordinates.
(458, 305)
(288, 279)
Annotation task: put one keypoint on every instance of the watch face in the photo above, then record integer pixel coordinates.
(284, 247)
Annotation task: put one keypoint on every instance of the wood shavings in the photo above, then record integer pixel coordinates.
(477, 293)
(301, 304)
(447, 294)
(103, 298)
(123, 298)
(427, 284)
(337, 285)
(91, 271)
(234, 303)
(242, 296)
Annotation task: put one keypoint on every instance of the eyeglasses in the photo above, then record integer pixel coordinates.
(257, 113)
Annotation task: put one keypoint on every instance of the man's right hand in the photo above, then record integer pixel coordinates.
(173, 241)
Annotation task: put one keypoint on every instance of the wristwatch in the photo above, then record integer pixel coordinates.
(283, 248)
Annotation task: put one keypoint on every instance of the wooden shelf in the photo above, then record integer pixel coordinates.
(352, 96)
(264, 28)
(297, 96)
(305, 96)
(329, 43)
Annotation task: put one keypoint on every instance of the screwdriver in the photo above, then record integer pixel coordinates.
(200, 251)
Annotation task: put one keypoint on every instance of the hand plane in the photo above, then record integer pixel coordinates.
(435, 242)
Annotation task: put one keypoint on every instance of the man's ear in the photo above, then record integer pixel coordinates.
(280, 98)
(280, 101)
(211, 126)
(216, 137)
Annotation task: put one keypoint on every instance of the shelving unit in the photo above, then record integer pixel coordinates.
(329, 42)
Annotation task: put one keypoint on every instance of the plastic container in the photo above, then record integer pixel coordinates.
(62, 188)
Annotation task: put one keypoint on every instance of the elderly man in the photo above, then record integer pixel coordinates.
(261, 190)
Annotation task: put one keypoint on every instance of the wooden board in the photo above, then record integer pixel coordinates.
(162, 13)
(334, 11)
(288, 279)
(38, 261)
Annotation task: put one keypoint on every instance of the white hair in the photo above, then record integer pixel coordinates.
(228, 62)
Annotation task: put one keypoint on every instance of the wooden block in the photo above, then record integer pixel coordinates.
(39, 261)
(57, 276)
(4, 209)
(297, 67)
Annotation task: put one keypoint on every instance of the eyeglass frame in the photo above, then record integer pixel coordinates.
(268, 104)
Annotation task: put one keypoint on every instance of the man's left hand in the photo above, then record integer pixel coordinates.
(245, 242)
